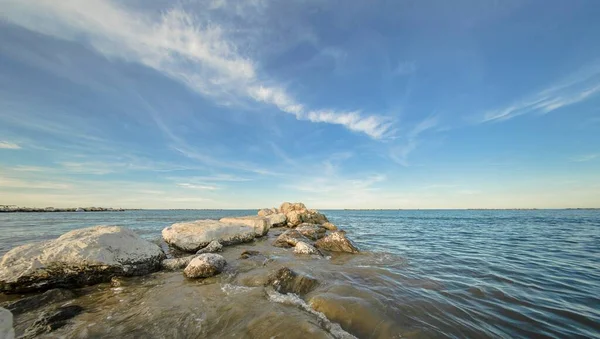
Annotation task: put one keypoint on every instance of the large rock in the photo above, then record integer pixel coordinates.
(80, 257)
(311, 231)
(36, 301)
(297, 213)
(329, 226)
(261, 225)
(267, 211)
(284, 280)
(277, 219)
(205, 265)
(289, 238)
(304, 248)
(192, 236)
(336, 242)
(6, 324)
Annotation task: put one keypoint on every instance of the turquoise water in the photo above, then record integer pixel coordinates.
(450, 274)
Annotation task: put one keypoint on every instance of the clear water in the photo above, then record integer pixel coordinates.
(450, 274)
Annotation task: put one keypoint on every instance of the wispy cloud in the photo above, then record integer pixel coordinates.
(182, 46)
(198, 187)
(32, 184)
(586, 157)
(577, 88)
(399, 153)
(9, 145)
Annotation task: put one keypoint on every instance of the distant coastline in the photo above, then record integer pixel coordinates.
(17, 209)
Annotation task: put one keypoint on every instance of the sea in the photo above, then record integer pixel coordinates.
(421, 274)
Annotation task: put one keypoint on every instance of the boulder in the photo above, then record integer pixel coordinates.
(205, 265)
(284, 280)
(177, 263)
(192, 236)
(212, 247)
(52, 320)
(261, 225)
(6, 324)
(81, 257)
(297, 213)
(311, 231)
(289, 238)
(36, 301)
(267, 211)
(336, 242)
(277, 219)
(329, 226)
(304, 248)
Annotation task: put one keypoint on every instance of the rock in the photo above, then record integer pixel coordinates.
(329, 226)
(248, 253)
(336, 242)
(33, 302)
(304, 248)
(297, 213)
(261, 225)
(81, 257)
(267, 211)
(213, 246)
(177, 263)
(6, 324)
(294, 218)
(287, 207)
(289, 238)
(50, 321)
(277, 219)
(205, 265)
(192, 236)
(311, 231)
(284, 280)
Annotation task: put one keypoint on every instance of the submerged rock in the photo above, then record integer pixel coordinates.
(81, 257)
(33, 302)
(311, 231)
(284, 280)
(177, 263)
(304, 248)
(336, 242)
(212, 247)
(261, 225)
(6, 324)
(50, 321)
(248, 253)
(277, 219)
(205, 265)
(289, 238)
(192, 236)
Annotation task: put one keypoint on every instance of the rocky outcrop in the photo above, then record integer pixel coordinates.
(192, 236)
(311, 231)
(205, 265)
(6, 324)
(277, 219)
(36, 301)
(284, 280)
(50, 321)
(336, 242)
(80, 257)
(212, 247)
(304, 248)
(289, 238)
(261, 225)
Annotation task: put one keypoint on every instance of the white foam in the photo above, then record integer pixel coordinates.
(230, 289)
(292, 299)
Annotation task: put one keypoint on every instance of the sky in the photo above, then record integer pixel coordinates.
(338, 104)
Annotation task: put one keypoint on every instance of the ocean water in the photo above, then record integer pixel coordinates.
(423, 274)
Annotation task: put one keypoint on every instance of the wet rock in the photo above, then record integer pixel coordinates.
(304, 248)
(205, 265)
(261, 225)
(336, 242)
(81, 257)
(248, 253)
(212, 247)
(50, 321)
(329, 226)
(6, 324)
(289, 238)
(192, 236)
(284, 280)
(277, 219)
(177, 263)
(34, 302)
(311, 231)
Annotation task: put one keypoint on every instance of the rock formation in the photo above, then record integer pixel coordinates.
(192, 236)
(205, 265)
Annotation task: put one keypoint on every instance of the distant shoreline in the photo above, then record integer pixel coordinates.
(16, 209)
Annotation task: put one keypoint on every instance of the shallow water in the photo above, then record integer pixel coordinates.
(423, 274)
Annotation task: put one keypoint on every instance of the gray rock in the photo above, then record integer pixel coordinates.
(336, 242)
(81, 257)
(192, 236)
(284, 280)
(177, 263)
(34, 302)
(205, 265)
(260, 224)
(50, 321)
(289, 238)
(311, 231)
(212, 247)
(304, 248)
(6, 324)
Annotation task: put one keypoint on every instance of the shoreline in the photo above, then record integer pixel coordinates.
(10, 209)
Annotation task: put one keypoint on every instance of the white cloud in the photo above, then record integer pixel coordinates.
(9, 145)
(187, 48)
(198, 187)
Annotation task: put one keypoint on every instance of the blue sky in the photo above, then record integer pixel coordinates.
(339, 104)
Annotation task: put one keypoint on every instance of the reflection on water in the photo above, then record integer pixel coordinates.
(425, 274)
